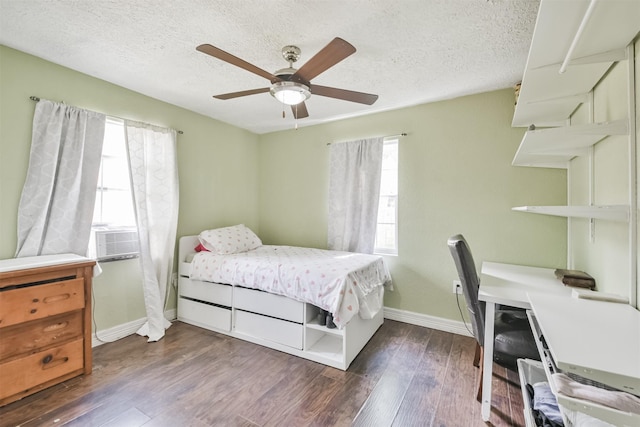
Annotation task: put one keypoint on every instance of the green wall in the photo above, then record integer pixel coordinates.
(217, 165)
(455, 177)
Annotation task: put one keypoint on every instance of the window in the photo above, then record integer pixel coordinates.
(387, 229)
(114, 233)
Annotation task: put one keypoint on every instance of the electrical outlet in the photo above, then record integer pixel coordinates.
(457, 287)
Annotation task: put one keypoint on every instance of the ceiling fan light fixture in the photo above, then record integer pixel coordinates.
(290, 93)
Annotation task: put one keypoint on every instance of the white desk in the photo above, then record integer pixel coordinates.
(596, 340)
(510, 285)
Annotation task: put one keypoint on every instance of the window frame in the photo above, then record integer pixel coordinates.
(101, 189)
(381, 250)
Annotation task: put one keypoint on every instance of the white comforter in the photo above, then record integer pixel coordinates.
(343, 283)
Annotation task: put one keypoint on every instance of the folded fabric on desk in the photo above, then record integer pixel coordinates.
(613, 399)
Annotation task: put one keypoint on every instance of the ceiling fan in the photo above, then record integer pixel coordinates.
(293, 86)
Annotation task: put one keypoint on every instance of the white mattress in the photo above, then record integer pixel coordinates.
(343, 283)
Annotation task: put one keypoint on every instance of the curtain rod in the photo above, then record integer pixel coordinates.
(35, 98)
(398, 135)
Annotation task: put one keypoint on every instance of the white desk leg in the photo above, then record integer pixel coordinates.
(487, 367)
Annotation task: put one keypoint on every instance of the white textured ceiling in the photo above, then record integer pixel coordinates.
(408, 52)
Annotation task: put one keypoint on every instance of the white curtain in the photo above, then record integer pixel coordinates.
(56, 206)
(154, 184)
(354, 192)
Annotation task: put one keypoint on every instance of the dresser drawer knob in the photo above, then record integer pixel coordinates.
(33, 310)
(35, 300)
(50, 363)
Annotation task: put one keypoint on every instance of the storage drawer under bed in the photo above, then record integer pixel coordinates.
(215, 293)
(204, 315)
(268, 304)
(268, 328)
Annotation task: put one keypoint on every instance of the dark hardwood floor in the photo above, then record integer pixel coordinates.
(406, 376)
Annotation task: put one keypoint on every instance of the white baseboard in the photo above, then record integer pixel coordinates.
(124, 330)
(447, 325)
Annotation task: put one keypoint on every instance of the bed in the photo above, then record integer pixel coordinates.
(275, 296)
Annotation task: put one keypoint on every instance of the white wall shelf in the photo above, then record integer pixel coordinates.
(555, 147)
(607, 212)
(548, 97)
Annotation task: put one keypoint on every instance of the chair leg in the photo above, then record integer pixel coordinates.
(476, 357)
(479, 386)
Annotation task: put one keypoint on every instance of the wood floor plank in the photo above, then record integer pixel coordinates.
(209, 380)
(287, 391)
(405, 376)
(515, 398)
(309, 405)
(345, 404)
(173, 418)
(421, 401)
(375, 356)
(130, 418)
(500, 407)
(459, 385)
(382, 405)
(236, 387)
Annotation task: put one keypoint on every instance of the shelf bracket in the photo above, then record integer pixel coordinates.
(614, 55)
(576, 38)
(580, 97)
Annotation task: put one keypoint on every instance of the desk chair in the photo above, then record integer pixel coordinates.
(513, 336)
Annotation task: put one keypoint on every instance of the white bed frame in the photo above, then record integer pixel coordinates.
(270, 320)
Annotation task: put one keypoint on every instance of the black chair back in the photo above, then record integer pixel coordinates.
(470, 283)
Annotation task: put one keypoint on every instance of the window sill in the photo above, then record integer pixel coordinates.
(118, 258)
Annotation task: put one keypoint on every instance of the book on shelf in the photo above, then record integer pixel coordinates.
(576, 278)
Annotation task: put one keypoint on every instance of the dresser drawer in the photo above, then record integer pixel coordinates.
(36, 302)
(33, 336)
(22, 374)
(268, 304)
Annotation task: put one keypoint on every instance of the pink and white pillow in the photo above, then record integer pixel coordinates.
(229, 240)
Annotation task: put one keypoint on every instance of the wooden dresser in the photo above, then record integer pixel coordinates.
(45, 322)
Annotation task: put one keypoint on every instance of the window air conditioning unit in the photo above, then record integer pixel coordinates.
(116, 244)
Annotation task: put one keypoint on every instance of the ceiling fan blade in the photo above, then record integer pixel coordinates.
(234, 60)
(241, 93)
(346, 95)
(300, 111)
(330, 55)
